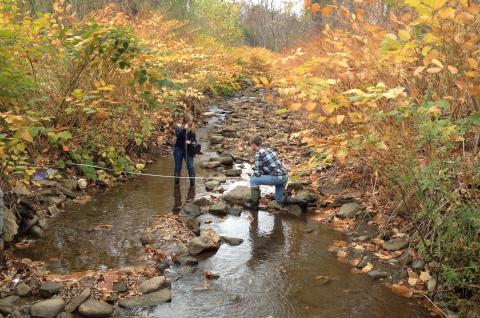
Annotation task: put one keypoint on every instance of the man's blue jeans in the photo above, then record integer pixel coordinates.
(180, 154)
(278, 181)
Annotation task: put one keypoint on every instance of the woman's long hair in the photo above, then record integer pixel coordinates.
(188, 119)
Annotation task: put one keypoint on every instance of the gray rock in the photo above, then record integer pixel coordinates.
(211, 164)
(152, 285)
(95, 308)
(148, 300)
(418, 265)
(306, 196)
(49, 289)
(233, 173)
(180, 249)
(216, 139)
(361, 238)
(333, 190)
(234, 211)
(49, 308)
(294, 209)
(218, 209)
(363, 262)
(431, 284)
(349, 210)
(395, 244)
(207, 241)
(346, 198)
(78, 300)
(37, 231)
(377, 274)
(211, 185)
(7, 306)
(65, 315)
(186, 260)
(70, 184)
(120, 287)
(233, 241)
(238, 195)
(23, 290)
(226, 161)
(201, 201)
(191, 210)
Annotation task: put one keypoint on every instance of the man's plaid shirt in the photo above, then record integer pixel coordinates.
(268, 163)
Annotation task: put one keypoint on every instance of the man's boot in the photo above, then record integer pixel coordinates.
(255, 198)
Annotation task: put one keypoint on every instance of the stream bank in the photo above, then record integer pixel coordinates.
(280, 265)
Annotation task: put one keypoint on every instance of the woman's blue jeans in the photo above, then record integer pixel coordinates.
(180, 154)
(278, 181)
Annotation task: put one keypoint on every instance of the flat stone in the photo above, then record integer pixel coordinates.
(180, 249)
(78, 300)
(211, 164)
(234, 211)
(216, 139)
(152, 285)
(218, 209)
(361, 238)
(120, 287)
(333, 190)
(49, 308)
(233, 173)
(233, 241)
(238, 195)
(211, 185)
(191, 210)
(49, 289)
(148, 300)
(186, 260)
(349, 210)
(225, 161)
(395, 244)
(201, 201)
(22, 290)
(207, 241)
(95, 308)
(377, 274)
(346, 198)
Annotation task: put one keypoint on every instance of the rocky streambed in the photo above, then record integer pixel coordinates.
(150, 248)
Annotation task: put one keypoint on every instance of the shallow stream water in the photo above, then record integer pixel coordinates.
(273, 273)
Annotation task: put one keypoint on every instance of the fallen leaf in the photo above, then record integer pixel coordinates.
(402, 290)
(425, 276)
(367, 268)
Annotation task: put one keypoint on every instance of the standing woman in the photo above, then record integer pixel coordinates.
(185, 133)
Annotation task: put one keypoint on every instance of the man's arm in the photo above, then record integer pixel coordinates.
(258, 165)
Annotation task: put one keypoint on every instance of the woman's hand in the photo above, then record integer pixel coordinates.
(188, 142)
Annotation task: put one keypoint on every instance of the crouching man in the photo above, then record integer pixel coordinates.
(269, 170)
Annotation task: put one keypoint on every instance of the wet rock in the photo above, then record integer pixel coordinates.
(148, 300)
(186, 260)
(37, 231)
(238, 195)
(78, 300)
(346, 198)
(219, 178)
(363, 262)
(23, 290)
(218, 209)
(148, 238)
(211, 185)
(233, 173)
(275, 206)
(49, 289)
(216, 139)
(160, 267)
(29, 223)
(418, 265)
(395, 244)
(152, 285)
(120, 286)
(306, 196)
(201, 201)
(310, 228)
(180, 249)
(189, 212)
(207, 241)
(349, 210)
(95, 308)
(294, 209)
(322, 280)
(212, 276)
(234, 211)
(211, 164)
(49, 308)
(377, 274)
(331, 190)
(233, 241)
(226, 161)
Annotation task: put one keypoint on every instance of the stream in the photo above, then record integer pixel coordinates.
(278, 271)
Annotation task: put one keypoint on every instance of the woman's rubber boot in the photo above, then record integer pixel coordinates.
(192, 182)
(177, 180)
(255, 199)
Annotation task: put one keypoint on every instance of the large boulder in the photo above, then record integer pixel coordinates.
(148, 300)
(95, 308)
(49, 308)
(349, 210)
(78, 300)
(238, 195)
(152, 285)
(207, 241)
